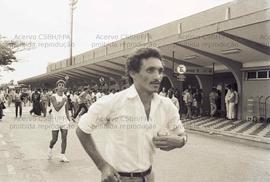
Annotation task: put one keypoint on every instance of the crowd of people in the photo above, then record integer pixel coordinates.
(190, 102)
(49, 103)
(40, 99)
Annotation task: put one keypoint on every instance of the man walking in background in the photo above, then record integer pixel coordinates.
(82, 104)
(59, 119)
(227, 96)
(213, 99)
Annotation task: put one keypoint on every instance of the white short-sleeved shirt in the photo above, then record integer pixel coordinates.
(129, 146)
(58, 118)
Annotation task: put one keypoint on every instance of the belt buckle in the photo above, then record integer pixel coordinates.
(131, 175)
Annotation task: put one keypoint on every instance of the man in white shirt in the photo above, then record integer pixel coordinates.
(82, 104)
(141, 120)
(233, 101)
(188, 102)
(173, 98)
(59, 119)
(227, 96)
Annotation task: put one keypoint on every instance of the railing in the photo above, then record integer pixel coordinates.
(267, 119)
(258, 109)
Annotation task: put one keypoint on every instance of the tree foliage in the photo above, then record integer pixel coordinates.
(8, 49)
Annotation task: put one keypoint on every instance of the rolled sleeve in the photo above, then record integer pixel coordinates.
(97, 115)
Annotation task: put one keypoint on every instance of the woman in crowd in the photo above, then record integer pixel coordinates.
(36, 103)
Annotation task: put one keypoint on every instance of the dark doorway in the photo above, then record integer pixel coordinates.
(165, 82)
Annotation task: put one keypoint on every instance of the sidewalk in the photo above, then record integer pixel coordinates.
(258, 132)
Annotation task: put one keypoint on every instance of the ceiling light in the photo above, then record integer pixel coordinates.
(230, 51)
(191, 57)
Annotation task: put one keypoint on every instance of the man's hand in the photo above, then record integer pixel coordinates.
(109, 174)
(169, 142)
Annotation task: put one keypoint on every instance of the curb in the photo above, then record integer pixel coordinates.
(252, 138)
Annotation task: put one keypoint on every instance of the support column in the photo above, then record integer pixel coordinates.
(231, 64)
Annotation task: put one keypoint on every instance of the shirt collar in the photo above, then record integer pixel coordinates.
(132, 93)
(156, 100)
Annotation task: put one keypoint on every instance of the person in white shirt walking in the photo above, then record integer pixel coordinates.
(141, 119)
(227, 96)
(188, 103)
(233, 101)
(173, 98)
(213, 101)
(59, 118)
(82, 104)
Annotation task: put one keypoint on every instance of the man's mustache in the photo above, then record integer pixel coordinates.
(155, 82)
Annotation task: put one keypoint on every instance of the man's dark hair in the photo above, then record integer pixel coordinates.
(134, 61)
(60, 81)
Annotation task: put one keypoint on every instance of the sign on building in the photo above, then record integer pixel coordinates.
(193, 70)
(181, 69)
(181, 77)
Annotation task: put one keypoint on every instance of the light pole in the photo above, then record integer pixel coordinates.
(72, 8)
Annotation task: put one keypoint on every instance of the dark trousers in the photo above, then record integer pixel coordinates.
(83, 105)
(44, 105)
(36, 108)
(18, 105)
(1, 113)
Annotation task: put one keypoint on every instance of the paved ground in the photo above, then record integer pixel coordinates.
(24, 145)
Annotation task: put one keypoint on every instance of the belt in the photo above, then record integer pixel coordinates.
(136, 174)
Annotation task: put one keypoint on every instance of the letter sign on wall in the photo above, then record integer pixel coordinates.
(181, 69)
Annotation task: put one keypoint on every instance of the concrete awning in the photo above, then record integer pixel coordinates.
(234, 33)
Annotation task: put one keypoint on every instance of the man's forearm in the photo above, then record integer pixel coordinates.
(90, 148)
(183, 140)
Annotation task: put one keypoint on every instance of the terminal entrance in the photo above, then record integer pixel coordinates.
(165, 83)
(205, 82)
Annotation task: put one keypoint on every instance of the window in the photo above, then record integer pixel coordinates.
(251, 75)
(258, 75)
(262, 74)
